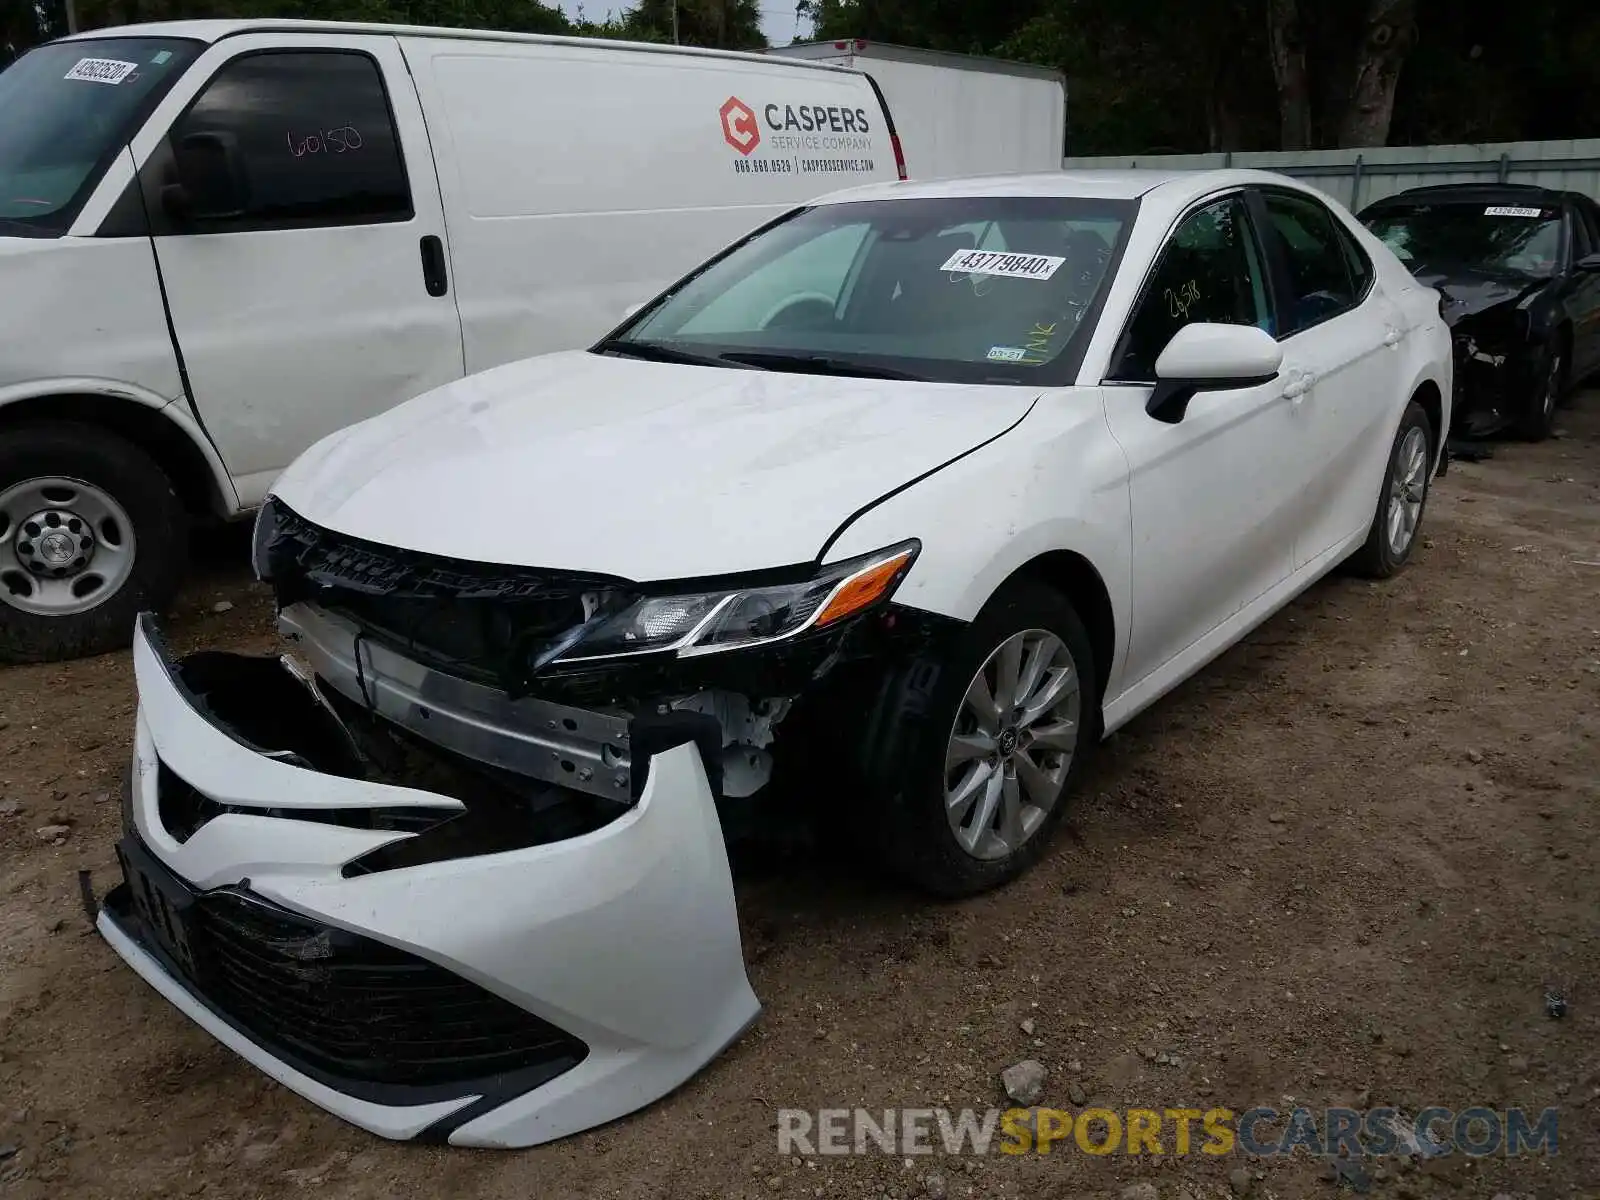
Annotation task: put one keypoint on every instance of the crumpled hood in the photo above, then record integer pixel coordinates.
(646, 471)
(1469, 293)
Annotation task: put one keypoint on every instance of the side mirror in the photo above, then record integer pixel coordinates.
(1589, 262)
(211, 183)
(1205, 357)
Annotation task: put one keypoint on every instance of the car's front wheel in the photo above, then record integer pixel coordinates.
(989, 759)
(1537, 419)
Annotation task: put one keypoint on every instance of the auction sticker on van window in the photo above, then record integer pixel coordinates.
(1007, 266)
(1495, 210)
(101, 70)
(1006, 354)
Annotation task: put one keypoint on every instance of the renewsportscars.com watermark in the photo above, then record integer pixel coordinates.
(1260, 1132)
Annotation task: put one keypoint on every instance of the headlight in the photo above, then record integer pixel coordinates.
(708, 622)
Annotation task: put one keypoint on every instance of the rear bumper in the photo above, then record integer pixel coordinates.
(624, 940)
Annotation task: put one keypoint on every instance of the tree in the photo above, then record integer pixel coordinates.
(719, 24)
(1186, 71)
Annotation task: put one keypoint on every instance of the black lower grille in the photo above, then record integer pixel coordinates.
(341, 1006)
(481, 620)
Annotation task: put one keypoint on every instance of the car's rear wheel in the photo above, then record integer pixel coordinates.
(1402, 500)
(988, 763)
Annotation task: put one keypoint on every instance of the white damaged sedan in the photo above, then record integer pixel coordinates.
(891, 512)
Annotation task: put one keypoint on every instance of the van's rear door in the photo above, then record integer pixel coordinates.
(297, 221)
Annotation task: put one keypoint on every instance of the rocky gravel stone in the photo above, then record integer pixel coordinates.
(1024, 1081)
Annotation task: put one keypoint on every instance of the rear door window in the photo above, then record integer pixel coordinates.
(1315, 260)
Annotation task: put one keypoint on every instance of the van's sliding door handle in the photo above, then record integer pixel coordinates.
(433, 271)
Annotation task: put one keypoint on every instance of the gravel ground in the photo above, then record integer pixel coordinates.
(1343, 864)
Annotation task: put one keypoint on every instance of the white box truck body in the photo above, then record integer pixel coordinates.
(959, 115)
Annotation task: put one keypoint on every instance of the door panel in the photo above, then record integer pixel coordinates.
(1210, 495)
(1342, 337)
(1211, 524)
(1344, 422)
(295, 255)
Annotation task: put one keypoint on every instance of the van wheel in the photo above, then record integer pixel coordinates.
(91, 533)
(990, 753)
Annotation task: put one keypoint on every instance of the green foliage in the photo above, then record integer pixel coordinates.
(1147, 76)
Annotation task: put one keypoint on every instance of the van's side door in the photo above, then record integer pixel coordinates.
(297, 222)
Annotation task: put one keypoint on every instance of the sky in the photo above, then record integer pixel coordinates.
(777, 17)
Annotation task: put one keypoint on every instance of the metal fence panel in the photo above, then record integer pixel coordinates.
(1358, 177)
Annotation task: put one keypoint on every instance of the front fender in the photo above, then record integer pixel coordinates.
(1057, 481)
(84, 398)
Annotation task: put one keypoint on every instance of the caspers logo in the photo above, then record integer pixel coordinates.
(739, 126)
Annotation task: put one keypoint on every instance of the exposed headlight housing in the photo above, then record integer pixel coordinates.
(260, 538)
(711, 622)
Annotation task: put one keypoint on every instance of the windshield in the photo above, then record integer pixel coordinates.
(1503, 239)
(68, 107)
(963, 289)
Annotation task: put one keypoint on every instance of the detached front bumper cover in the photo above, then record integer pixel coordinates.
(502, 999)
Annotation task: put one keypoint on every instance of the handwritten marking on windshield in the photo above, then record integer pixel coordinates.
(327, 141)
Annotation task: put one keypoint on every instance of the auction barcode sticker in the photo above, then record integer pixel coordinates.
(1498, 210)
(1007, 266)
(101, 70)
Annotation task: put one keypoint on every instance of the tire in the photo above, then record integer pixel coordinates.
(1537, 418)
(915, 728)
(93, 483)
(1379, 558)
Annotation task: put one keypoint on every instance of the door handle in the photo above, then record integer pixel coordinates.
(1391, 337)
(434, 277)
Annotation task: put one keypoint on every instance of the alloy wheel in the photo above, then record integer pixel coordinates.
(1408, 489)
(1012, 744)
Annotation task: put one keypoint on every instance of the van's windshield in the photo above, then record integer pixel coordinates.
(68, 107)
(961, 289)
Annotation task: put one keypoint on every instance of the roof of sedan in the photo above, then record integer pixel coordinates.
(1097, 185)
(1469, 193)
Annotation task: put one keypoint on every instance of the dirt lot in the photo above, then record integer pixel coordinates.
(1346, 862)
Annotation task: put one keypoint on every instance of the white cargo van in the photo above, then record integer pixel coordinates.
(959, 114)
(221, 240)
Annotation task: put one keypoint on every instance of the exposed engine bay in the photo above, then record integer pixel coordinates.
(460, 656)
(470, 666)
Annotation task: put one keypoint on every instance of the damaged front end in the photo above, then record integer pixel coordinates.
(454, 867)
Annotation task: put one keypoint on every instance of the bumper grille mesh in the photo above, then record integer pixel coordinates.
(352, 1008)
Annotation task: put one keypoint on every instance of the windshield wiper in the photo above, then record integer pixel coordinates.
(658, 352)
(815, 364)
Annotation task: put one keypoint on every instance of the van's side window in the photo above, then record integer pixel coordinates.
(288, 139)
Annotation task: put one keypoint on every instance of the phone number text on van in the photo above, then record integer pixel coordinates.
(763, 166)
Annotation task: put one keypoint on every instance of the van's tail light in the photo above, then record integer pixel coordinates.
(899, 155)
